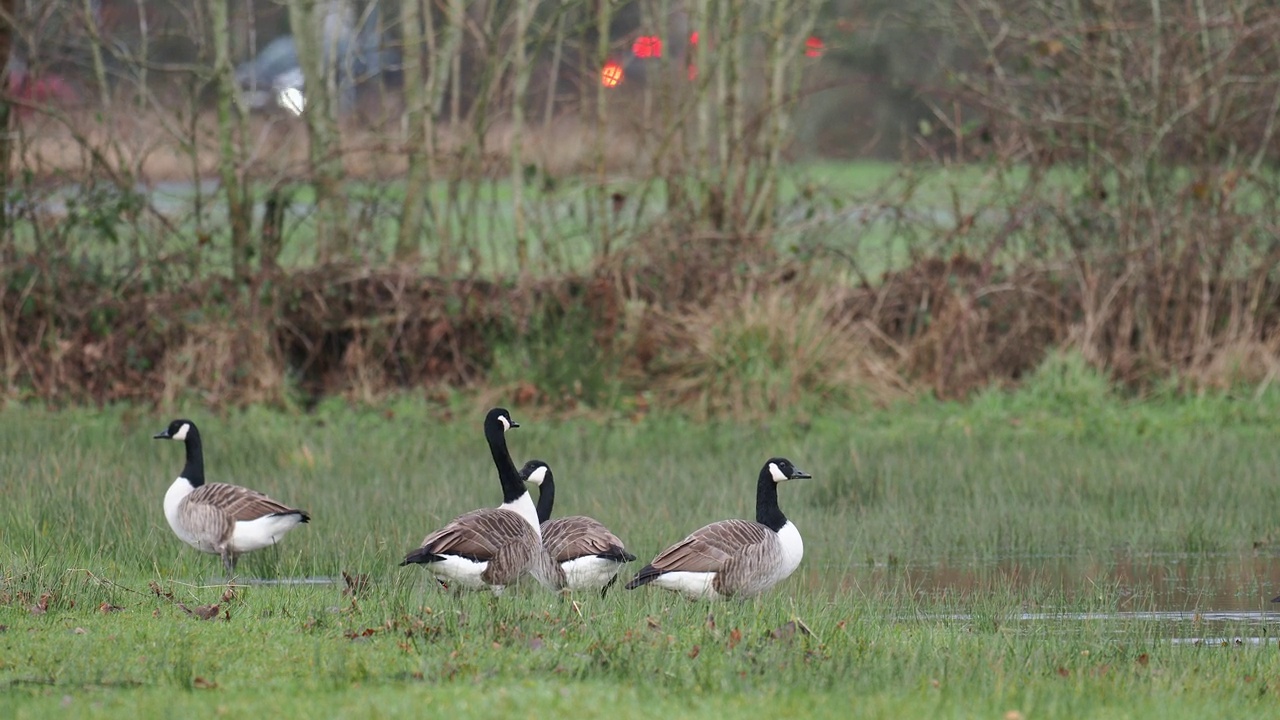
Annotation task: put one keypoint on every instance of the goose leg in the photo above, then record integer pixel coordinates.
(605, 590)
(229, 562)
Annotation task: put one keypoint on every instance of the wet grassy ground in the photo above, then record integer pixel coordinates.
(1014, 555)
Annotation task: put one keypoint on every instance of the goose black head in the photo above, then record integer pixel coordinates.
(501, 418)
(535, 471)
(781, 470)
(177, 430)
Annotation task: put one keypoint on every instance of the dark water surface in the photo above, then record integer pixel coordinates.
(1196, 599)
(1149, 582)
(1200, 599)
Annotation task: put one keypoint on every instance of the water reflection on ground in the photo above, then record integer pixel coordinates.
(291, 581)
(1129, 583)
(1223, 600)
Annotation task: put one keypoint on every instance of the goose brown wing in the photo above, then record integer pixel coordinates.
(514, 558)
(238, 503)
(707, 549)
(569, 538)
(750, 571)
(479, 535)
(209, 522)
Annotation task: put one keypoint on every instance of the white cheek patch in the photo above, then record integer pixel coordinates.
(506, 424)
(537, 476)
(778, 475)
(182, 432)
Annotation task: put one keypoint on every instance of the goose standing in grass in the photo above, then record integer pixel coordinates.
(227, 520)
(587, 556)
(734, 558)
(491, 547)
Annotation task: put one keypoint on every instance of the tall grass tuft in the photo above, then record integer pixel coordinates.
(759, 351)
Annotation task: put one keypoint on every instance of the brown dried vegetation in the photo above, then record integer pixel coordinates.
(1135, 222)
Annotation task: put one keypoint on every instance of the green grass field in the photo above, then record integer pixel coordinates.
(986, 560)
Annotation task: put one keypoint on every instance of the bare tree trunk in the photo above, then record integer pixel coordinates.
(144, 53)
(325, 156)
(557, 53)
(415, 99)
(735, 149)
(702, 59)
(778, 104)
(524, 15)
(95, 52)
(603, 19)
(239, 204)
(8, 10)
(446, 63)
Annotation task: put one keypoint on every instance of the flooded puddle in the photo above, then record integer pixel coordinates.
(1200, 583)
(1198, 600)
(290, 581)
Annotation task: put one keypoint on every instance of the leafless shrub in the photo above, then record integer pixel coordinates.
(1129, 192)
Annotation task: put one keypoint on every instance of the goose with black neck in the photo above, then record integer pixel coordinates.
(734, 558)
(226, 520)
(489, 548)
(586, 554)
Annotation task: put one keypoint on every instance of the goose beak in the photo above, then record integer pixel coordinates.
(799, 474)
(162, 435)
(514, 424)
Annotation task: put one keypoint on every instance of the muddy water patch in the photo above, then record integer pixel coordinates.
(1123, 582)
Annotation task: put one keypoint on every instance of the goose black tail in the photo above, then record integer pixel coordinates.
(421, 556)
(302, 515)
(616, 554)
(646, 575)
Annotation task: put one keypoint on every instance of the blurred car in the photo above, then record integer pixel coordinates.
(274, 77)
(30, 92)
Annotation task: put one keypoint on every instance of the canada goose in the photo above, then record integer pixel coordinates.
(491, 547)
(219, 518)
(733, 558)
(586, 554)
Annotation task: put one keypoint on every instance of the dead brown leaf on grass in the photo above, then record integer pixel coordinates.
(107, 607)
(42, 605)
(735, 637)
(204, 612)
(155, 588)
(789, 630)
(203, 684)
(355, 584)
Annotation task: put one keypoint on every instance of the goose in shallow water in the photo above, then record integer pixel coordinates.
(491, 547)
(587, 556)
(734, 558)
(227, 520)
